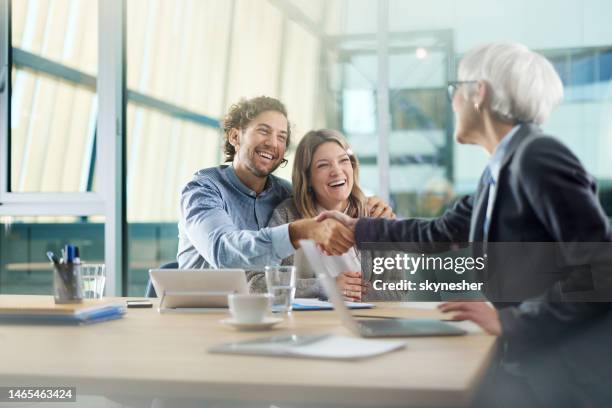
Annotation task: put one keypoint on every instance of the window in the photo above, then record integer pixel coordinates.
(53, 105)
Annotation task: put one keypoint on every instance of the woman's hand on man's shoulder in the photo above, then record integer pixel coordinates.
(378, 208)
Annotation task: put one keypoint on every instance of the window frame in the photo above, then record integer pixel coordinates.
(110, 145)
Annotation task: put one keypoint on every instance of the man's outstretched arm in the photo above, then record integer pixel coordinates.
(213, 233)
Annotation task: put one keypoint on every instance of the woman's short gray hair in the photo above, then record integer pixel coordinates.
(523, 85)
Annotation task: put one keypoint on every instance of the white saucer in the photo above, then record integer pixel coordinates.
(266, 324)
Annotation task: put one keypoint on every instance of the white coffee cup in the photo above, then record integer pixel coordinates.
(251, 308)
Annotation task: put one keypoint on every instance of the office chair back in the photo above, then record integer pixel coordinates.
(150, 291)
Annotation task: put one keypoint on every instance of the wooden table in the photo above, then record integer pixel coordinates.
(152, 354)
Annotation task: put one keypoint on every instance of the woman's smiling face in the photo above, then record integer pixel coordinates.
(331, 176)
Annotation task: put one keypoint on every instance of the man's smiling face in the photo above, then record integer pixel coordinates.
(261, 145)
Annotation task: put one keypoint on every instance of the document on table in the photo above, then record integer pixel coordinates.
(421, 305)
(313, 346)
(317, 304)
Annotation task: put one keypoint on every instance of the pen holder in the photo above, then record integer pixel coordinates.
(67, 283)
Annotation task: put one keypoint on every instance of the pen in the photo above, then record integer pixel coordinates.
(59, 267)
(70, 258)
(77, 256)
(69, 250)
(53, 258)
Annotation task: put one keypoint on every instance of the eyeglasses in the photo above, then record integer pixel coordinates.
(454, 85)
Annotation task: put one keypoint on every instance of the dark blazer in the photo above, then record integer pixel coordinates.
(543, 194)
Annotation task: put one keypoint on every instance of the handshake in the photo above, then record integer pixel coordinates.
(334, 231)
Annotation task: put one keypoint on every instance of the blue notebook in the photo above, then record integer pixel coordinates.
(317, 304)
(43, 310)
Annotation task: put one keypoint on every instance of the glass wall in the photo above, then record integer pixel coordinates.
(426, 168)
(574, 28)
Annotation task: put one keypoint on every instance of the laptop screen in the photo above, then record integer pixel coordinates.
(325, 270)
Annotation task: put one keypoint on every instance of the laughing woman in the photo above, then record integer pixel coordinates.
(325, 177)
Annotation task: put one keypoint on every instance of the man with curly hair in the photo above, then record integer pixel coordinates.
(225, 209)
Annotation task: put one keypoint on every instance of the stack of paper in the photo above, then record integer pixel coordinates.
(318, 346)
(42, 309)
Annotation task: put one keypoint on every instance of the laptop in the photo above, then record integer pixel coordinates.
(399, 327)
(196, 290)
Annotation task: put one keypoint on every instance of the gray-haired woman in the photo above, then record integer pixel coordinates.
(533, 190)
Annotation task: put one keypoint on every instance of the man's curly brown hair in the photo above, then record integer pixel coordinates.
(243, 112)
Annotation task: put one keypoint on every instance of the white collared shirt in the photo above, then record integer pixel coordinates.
(494, 167)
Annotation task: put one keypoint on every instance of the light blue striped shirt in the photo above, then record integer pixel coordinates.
(223, 222)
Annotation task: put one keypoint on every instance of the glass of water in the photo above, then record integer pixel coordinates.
(281, 285)
(94, 280)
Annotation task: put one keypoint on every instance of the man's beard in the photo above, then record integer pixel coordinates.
(258, 173)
